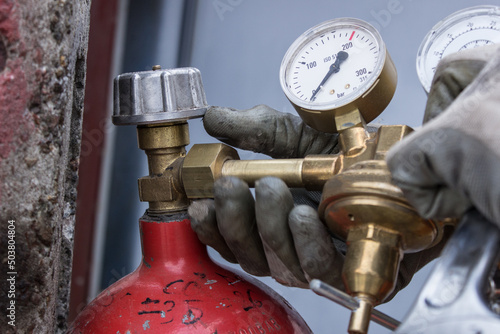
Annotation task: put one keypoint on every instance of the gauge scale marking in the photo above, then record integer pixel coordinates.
(328, 69)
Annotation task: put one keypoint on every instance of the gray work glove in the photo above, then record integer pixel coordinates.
(269, 235)
(453, 162)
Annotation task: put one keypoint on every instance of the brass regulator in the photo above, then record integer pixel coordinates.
(338, 75)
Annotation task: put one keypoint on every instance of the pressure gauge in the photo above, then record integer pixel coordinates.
(338, 66)
(465, 29)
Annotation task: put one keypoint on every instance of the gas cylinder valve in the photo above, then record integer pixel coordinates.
(160, 102)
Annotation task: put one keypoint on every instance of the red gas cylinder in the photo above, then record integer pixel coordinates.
(178, 289)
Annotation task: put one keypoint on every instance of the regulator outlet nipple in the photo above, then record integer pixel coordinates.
(360, 318)
(369, 272)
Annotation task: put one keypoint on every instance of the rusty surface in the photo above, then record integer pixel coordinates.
(42, 76)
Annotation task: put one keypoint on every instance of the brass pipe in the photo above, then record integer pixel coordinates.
(207, 162)
(310, 173)
(289, 170)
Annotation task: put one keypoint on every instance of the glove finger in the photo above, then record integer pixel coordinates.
(204, 223)
(425, 172)
(234, 207)
(453, 74)
(262, 129)
(273, 203)
(449, 82)
(315, 248)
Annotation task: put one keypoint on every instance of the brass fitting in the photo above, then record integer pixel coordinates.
(351, 127)
(205, 163)
(370, 270)
(362, 206)
(364, 194)
(202, 166)
(164, 145)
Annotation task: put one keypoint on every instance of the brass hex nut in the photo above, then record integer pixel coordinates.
(155, 188)
(387, 136)
(202, 166)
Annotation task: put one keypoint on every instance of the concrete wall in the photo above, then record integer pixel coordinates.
(43, 45)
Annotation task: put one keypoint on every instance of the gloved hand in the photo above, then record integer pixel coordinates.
(453, 162)
(268, 235)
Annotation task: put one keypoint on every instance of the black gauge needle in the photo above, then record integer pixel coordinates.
(334, 68)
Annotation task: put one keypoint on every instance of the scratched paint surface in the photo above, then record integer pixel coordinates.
(182, 291)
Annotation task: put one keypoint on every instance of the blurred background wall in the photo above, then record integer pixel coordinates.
(238, 46)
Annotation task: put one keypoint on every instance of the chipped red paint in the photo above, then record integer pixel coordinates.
(9, 21)
(16, 123)
(178, 289)
(14, 97)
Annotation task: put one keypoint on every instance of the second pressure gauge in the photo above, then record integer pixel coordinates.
(338, 66)
(465, 29)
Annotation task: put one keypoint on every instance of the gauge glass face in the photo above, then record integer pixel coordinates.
(466, 29)
(332, 64)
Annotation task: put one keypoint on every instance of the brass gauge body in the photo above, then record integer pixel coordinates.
(336, 67)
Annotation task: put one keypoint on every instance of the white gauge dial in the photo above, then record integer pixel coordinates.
(465, 29)
(337, 67)
(332, 64)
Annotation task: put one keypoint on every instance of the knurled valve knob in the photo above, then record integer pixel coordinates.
(158, 96)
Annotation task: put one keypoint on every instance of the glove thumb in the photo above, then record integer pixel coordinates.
(262, 129)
